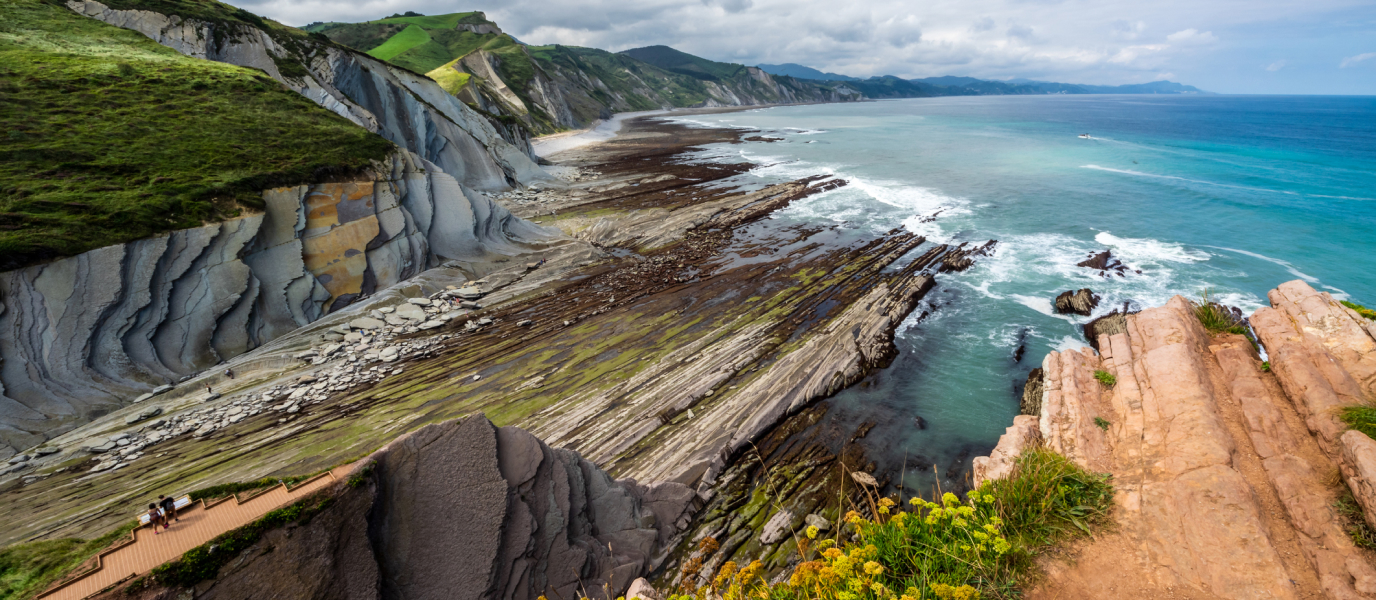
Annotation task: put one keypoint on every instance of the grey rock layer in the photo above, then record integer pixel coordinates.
(82, 336)
(466, 510)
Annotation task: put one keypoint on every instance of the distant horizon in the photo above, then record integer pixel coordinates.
(1321, 47)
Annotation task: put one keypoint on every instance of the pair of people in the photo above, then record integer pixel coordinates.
(163, 512)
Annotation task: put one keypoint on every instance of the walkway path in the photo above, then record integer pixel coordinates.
(199, 524)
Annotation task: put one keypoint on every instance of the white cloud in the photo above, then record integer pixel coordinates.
(1352, 60)
(1191, 37)
(1276, 66)
(1078, 41)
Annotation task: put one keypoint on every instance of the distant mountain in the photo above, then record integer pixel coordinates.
(802, 72)
(670, 59)
(983, 87)
(948, 80)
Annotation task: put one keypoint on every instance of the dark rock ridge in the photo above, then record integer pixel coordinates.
(466, 510)
(1106, 264)
(1081, 302)
(85, 335)
(1031, 401)
(409, 109)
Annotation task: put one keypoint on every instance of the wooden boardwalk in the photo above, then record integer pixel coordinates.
(199, 524)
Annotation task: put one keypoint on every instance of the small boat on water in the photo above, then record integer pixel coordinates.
(1084, 136)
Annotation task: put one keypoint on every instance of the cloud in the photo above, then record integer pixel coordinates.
(1191, 37)
(1276, 66)
(1352, 60)
(1077, 41)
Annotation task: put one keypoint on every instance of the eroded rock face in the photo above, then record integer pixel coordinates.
(87, 334)
(1202, 443)
(409, 109)
(1081, 302)
(466, 510)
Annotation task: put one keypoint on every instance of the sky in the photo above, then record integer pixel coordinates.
(1224, 46)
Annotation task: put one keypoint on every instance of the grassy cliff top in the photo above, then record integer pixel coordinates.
(109, 137)
(670, 59)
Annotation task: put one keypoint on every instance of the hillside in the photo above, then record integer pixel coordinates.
(889, 86)
(551, 88)
(73, 84)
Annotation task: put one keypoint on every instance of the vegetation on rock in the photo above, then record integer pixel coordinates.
(973, 548)
(1105, 377)
(111, 137)
(26, 569)
(1217, 318)
(1360, 417)
(1361, 310)
(225, 489)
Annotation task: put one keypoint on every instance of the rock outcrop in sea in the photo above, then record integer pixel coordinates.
(463, 509)
(1223, 463)
(1081, 302)
(88, 334)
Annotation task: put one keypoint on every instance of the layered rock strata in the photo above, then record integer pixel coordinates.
(463, 509)
(409, 109)
(87, 334)
(1080, 302)
(1221, 467)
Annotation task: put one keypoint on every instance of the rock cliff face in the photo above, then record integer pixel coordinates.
(410, 110)
(86, 334)
(1222, 466)
(463, 509)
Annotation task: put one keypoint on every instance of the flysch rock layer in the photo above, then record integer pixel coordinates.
(411, 110)
(87, 334)
(1222, 491)
(466, 510)
(1222, 469)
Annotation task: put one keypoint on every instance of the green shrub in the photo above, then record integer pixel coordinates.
(1101, 423)
(25, 569)
(952, 549)
(1354, 523)
(1361, 310)
(204, 561)
(1266, 366)
(225, 489)
(1360, 417)
(1217, 318)
(1105, 378)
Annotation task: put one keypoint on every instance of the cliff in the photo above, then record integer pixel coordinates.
(462, 509)
(550, 88)
(1222, 462)
(409, 109)
(85, 335)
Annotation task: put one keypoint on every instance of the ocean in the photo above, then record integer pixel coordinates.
(1233, 195)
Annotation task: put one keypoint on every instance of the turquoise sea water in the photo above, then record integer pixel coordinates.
(1235, 194)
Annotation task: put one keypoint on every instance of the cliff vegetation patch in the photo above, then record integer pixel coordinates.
(110, 137)
(1361, 310)
(26, 569)
(978, 547)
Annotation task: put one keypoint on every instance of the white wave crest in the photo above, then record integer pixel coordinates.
(1147, 250)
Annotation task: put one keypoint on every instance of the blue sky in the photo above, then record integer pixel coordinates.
(1227, 46)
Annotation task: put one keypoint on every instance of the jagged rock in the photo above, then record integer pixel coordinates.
(1081, 302)
(641, 590)
(777, 528)
(1108, 325)
(1031, 401)
(999, 464)
(389, 354)
(470, 305)
(341, 329)
(396, 320)
(521, 520)
(525, 323)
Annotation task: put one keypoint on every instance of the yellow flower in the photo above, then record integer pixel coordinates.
(917, 502)
(886, 502)
(812, 532)
(853, 517)
(873, 568)
(950, 499)
(833, 553)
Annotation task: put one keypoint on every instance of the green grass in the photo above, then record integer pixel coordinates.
(448, 21)
(110, 137)
(452, 81)
(1353, 521)
(26, 569)
(201, 563)
(409, 38)
(225, 489)
(1216, 318)
(1266, 366)
(1105, 378)
(980, 547)
(1359, 417)
(1361, 310)
(1102, 423)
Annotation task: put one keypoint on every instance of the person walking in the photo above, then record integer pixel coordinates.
(154, 517)
(169, 510)
(229, 373)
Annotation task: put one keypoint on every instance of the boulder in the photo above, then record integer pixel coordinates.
(469, 293)
(641, 590)
(431, 324)
(367, 323)
(142, 398)
(818, 521)
(19, 459)
(386, 310)
(409, 311)
(341, 329)
(419, 301)
(1080, 302)
(395, 320)
(389, 354)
